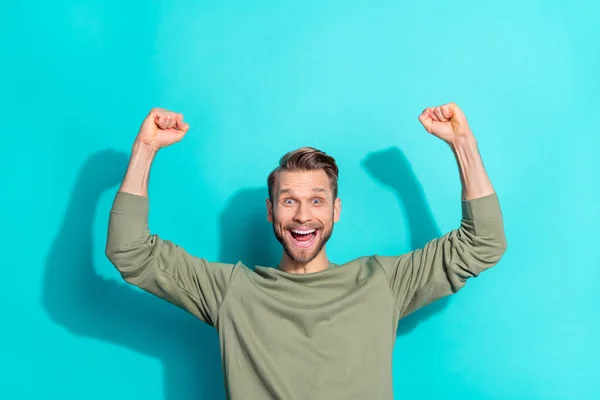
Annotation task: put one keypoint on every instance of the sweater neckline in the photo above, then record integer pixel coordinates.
(276, 271)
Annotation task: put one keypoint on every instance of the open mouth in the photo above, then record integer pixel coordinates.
(304, 238)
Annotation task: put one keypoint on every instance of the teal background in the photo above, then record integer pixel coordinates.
(254, 80)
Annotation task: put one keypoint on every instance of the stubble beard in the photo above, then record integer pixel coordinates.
(302, 256)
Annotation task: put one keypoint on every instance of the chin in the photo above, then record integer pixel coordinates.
(301, 258)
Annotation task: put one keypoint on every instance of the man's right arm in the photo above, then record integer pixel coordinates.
(145, 260)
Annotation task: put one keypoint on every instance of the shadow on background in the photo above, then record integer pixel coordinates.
(87, 304)
(391, 168)
(246, 234)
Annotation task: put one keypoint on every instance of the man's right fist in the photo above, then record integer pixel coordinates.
(162, 128)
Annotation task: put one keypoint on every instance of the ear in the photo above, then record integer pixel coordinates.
(269, 211)
(337, 209)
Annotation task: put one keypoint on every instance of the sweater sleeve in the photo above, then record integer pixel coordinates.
(159, 266)
(444, 264)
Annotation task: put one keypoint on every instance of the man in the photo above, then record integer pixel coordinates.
(308, 329)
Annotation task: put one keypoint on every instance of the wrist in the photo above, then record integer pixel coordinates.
(463, 144)
(464, 141)
(142, 148)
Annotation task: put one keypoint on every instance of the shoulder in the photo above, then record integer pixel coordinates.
(373, 261)
(366, 265)
(224, 272)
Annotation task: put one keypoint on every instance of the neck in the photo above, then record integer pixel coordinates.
(319, 263)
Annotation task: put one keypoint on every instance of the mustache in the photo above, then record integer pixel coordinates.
(297, 227)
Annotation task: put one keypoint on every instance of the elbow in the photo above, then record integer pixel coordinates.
(496, 249)
(115, 256)
(113, 251)
(502, 248)
(130, 260)
(485, 248)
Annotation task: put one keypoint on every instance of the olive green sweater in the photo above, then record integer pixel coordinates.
(325, 335)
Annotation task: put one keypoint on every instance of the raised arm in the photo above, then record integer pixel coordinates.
(159, 266)
(444, 264)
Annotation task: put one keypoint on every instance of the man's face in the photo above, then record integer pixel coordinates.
(303, 212)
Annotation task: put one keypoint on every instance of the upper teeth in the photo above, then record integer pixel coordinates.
(303, 232)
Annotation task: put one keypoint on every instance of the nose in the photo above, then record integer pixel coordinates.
(302, 214)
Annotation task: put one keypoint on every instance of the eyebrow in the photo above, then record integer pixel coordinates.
(315, 189)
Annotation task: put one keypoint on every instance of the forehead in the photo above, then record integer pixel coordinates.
(302, 181)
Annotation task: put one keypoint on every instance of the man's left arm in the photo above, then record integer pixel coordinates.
(444, 264)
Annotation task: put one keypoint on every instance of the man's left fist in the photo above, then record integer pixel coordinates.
(447, 122)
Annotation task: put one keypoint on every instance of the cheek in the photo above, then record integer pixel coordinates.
(279, 218)
(326, 217)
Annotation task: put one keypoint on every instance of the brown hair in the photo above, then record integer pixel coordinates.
(306, 159)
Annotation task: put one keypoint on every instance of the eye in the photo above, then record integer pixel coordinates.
(317, 201)
(288, 201)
